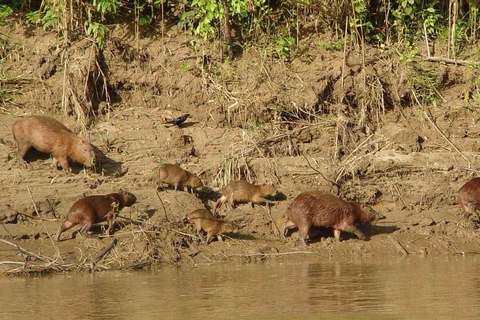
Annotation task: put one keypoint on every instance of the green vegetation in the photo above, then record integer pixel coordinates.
(278, 30)
(278, 23)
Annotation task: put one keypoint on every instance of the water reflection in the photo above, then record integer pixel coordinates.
(399, 288)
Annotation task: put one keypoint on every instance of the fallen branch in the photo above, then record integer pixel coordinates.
(452, 61)
(399, 247)
(59, 256)
(273, 222)
(272, 254)
(28, 253)
(321, 174)
(445, 137)
(104, 252)
(161, 201)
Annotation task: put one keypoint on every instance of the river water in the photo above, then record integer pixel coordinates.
(413, 288)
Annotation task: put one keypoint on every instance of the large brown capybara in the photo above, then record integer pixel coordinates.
(50, 136)
(95, 209)
(320, 209)
(213, 228)
(469, 197)
(242, 191)
(176, 176)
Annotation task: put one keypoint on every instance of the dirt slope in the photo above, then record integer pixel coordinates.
(257, 119)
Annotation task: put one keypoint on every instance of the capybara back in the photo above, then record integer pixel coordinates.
(320, 209)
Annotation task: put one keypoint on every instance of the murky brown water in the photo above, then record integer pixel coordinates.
(447, 287)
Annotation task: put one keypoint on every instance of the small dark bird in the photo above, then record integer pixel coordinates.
(178, 121)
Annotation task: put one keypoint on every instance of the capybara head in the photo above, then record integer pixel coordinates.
(128, 198)
(269, 190)
(83, 153)
(371, 215)
(230, 227)
(195, 182)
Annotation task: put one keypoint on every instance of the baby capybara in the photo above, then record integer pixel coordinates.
(213, 228)
(242, 191)
(320, 209)
(50, 136)
(176, 176)
(469, 197)
(95, 209)
(199, 213)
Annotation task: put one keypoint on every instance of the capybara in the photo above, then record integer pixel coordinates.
(469, 197)
(320, 209)
(50, 136)
(95, 209)
(176, 176)
(242, 191)
(199, 213)
(213, 228)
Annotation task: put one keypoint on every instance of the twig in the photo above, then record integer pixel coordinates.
(344, 53)
(272, 254)
(11, 262)
(448, 140)
(398, 246)
(426, 39)
(401, 197)
(157, 226)
(28, 253)
(59, 256)
(33, 218)
(469, 169)
(104, 252)
(273, 222)
(321, 174)
(453, 61)
(161, 201)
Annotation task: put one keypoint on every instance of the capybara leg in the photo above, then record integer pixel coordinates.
(209, 237)
(110, 220)
(65, 226)
(303, 234)
(287, 225)
(22, 151)
(218, 204)
(84, 230)
(336, 233)
(63, 163)
(466, 211)
(473, 210)
(199, 234)
(356, 231)
(231, 201)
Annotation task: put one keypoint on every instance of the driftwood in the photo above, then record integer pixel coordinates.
(105, 251)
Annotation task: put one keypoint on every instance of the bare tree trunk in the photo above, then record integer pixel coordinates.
(227, 30)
